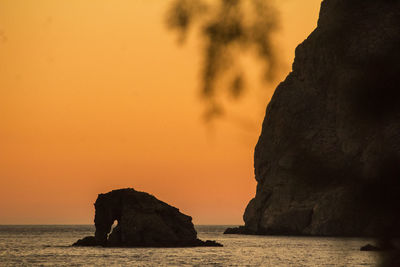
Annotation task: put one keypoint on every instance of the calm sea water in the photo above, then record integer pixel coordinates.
(49, 245)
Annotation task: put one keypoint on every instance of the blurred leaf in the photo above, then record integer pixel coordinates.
(237, 86)
(227, 28)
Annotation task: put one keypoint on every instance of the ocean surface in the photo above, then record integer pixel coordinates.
(50, 245)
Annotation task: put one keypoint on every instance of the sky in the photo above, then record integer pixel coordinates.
(98, 95)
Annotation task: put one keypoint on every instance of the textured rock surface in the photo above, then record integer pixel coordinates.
(328, 158)
(143, 221)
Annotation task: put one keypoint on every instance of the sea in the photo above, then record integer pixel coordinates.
(50, 245)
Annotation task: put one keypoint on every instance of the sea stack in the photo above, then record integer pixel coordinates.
(327, 162)
(142, 221)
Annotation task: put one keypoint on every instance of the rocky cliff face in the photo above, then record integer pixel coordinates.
(142, 221)
(328, 158)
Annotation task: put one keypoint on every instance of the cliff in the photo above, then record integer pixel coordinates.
(328, 158)
(142, 221)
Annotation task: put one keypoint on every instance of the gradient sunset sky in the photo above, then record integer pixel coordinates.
(98, 95)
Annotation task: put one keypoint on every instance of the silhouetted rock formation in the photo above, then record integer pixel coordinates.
(143, 221)
(328, 158)
(241, 230)
(370, 247)
(89, 241)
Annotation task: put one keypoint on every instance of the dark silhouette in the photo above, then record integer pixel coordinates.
(143, 221)
(327, 162)
(370, 247)
(228, 28)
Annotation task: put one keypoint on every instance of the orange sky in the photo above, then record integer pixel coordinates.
(97, 95)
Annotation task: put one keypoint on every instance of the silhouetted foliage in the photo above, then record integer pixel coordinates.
(228, 28)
